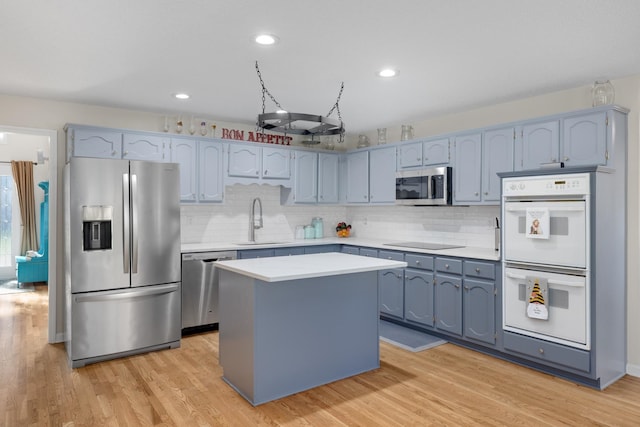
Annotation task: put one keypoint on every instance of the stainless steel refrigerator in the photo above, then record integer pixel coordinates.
(122, 258)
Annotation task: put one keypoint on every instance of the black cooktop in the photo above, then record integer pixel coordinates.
(424, 245)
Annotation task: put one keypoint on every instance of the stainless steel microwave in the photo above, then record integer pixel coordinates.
(424, 187)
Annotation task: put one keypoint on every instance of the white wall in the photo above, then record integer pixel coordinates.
(44, 114)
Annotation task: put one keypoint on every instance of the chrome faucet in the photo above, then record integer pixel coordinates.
(254, 223)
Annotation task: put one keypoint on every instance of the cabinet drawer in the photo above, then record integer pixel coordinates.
(394, 256)
(547, 352)
(423, 262)
(485, 270)
(449, 265)
(369, 252)
(288, 251)
(353, 250)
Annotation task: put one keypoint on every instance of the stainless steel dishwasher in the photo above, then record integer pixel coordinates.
(200, 289)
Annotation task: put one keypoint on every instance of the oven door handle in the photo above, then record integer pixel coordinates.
(517, 208)
(549, 281)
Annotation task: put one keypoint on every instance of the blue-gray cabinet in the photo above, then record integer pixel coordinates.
(98, 143)
(328, 173)
(467, 170)
(448, 300)
(259, 163)
(418, 297)
(210, 171)
(423, 153)
(584, 140)
(497, 156)
(391, 286)
(184, 151)
(540, 144)
(382, 175)
(256, 253)
(305, 186)
(479, 301)
(145, 146)
(357, 171)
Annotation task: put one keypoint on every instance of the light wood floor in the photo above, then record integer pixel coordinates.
(447, 385)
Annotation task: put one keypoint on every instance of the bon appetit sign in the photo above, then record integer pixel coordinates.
(241, 135)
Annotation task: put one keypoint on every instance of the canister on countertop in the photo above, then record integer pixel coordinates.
(309, 232)
(318, 227)
(299, 231)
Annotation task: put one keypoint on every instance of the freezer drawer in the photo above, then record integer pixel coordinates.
(110, 323)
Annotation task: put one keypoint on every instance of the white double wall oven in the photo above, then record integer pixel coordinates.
(546, 259)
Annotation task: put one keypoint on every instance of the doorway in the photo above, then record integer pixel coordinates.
(9, 223)
(15, 140)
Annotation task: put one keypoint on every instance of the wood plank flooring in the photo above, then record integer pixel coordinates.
(447, 385)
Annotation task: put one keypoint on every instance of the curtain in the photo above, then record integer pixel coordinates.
(23, 177)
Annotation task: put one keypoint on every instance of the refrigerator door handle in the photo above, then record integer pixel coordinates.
(138, 293)
(134, 223)
(126, 259)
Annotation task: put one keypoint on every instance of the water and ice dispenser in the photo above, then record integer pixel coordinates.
(96, 227)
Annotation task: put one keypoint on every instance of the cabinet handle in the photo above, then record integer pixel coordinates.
(553, 160)
(257, 172)
(417, 159)
(541, 350)
(486, 193)
(365, 197)
(466, 288)
(125, 153)
(418, 262)
(476, 193)
(566, 159)
(457, 286)
(477, 269)
(265, 171)
(399, 276)
(446, 266)
(113, 153)
(426, 159)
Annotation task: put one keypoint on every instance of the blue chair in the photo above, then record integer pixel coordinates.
(36, 269)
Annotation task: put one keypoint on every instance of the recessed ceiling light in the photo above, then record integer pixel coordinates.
(182, 95)
(266, 39)
(388, 72)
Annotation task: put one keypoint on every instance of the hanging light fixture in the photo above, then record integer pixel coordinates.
(284, 121)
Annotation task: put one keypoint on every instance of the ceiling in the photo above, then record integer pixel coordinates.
(451, 55)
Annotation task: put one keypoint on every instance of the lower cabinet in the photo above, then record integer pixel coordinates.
(418, 297)
(456, 297)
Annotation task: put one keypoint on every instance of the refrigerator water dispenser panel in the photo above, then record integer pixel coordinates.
(96, 227)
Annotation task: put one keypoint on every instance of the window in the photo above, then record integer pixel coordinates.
(9, 232)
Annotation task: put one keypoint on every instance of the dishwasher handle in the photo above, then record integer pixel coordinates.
(223, 258)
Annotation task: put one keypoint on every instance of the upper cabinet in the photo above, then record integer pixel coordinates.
(540, 144)
(328, 173)
(201, 171)
(357, 171)
(91, 142)
(497, 156)
(305, 185)
(252, 163)
(185, 152)
(584, 140)
(466, 171)
(382, 175)
(137, 146)
(427, 153)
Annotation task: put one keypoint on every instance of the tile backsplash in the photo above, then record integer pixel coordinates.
(229, 222)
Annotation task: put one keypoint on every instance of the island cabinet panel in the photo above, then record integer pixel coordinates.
(280, 338)
(391, 288)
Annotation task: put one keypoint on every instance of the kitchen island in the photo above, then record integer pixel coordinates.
(288, 324)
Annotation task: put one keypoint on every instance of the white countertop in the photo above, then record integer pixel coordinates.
(465, 252)
(294, 267)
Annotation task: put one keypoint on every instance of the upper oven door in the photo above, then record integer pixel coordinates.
(546, 232)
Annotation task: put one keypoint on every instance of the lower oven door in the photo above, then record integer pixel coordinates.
(547, 305)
